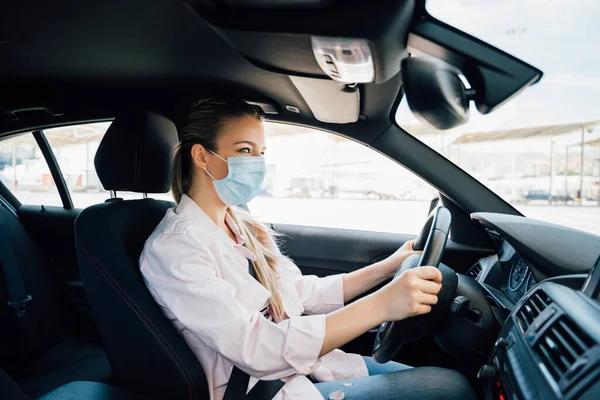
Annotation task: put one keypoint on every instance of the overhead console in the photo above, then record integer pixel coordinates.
(277, 38)
(352, 44)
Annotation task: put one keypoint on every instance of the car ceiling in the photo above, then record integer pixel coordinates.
(89, 60)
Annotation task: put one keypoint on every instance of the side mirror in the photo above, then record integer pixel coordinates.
(435, 93)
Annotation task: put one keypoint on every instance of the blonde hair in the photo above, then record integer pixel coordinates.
(261, 242)
(202, 127)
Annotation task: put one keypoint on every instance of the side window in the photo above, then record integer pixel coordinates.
(320, 179)
(74, 148)
(24, 171)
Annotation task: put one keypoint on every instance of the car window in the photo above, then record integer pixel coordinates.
(74, 148)
(541, 150)
(314, 178)
(320, 179)
(24, 171)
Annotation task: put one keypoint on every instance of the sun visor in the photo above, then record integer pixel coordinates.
(330, 101)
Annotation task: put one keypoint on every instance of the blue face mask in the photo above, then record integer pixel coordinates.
(243, 181)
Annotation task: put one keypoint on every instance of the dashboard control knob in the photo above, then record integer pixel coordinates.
(502, 344)
(496, 365)
(486, 372)
(460, 308)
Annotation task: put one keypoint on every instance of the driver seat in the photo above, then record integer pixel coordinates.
(145, 351)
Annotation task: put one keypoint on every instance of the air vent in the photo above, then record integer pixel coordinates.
(532, 308)
(474, 271)
(561, 350)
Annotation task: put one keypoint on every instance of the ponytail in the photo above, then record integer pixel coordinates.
(177, 181)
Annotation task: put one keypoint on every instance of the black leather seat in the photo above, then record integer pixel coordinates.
(44, 349)
(146, 353)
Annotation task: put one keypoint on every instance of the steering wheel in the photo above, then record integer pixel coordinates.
(432, 240)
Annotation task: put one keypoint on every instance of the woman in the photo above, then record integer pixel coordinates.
(267, 320)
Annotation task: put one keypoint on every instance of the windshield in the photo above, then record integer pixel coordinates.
(541, 150)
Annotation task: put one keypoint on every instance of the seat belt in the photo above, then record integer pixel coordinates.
(238, 381)
(237, 385)
(17, 295)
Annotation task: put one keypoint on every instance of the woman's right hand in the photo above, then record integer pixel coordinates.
(412, 293)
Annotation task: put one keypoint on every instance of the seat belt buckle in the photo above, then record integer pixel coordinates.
(20, 305)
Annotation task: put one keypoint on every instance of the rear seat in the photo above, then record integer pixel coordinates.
(9, 390)
(41, 350)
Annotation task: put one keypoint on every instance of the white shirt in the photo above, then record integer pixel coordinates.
(199, 277)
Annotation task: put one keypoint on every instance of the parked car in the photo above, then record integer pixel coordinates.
(534, 195)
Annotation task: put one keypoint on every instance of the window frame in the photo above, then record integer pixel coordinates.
(50, 159)
(38, 135)
(55, 170)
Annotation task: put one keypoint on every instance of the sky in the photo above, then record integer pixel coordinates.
(560, 37)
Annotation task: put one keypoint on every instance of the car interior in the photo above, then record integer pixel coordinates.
(519, 311)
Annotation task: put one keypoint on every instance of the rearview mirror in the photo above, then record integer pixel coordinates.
(435, 93)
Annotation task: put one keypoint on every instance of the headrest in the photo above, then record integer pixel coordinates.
(136, 153)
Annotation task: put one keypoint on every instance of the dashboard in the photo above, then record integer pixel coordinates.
(507, 271)
(548, 346)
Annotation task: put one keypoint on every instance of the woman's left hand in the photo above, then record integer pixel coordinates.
(393, 262)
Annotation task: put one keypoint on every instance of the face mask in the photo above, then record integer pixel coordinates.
(243, 181)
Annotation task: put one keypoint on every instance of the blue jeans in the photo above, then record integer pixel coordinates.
(393, 380)
(375, 368)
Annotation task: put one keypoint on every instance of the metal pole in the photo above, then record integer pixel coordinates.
(443, 149)
(334, 171)
(551, 169)
(581, 174)
(14, 165)
(566, 175)
(87, 165)
(514, 171)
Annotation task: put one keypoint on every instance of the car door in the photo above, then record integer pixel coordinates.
(338, 205)
(326, 251)
(47, 179)
(29, 189)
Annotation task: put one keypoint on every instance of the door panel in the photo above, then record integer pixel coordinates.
(327, 251)
(52, 229)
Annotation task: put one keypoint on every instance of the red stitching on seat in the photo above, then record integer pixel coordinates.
(144, 315)
(141, 312)
(154, 332)
(172, 353)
